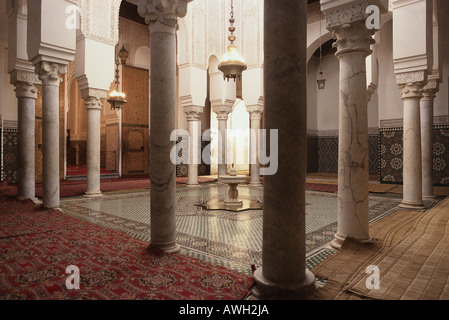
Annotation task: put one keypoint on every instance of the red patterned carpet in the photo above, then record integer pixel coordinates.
(77, 188)
(37, 245)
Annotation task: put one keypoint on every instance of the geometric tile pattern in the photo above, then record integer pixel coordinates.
(441, 156)
(391, 156)
(391, 153)
(374, 156)
(328, 154)
(229, 239)
(182, 168)
(10, 170)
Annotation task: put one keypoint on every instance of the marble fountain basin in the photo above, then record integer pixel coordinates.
(233, 202)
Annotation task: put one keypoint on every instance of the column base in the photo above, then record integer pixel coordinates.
(337, 242)
(429, 197)
(265, 289)
(93, 194)
(412, 205)
(339, 239)
(193, 185)
(166, 247)
(233, 202)
(255, 184)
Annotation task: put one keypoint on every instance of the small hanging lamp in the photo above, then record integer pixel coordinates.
(321, 81)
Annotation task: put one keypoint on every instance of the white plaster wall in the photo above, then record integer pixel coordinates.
(252, 85)
(390, 103)
(238, 137)
(442, 100)
(203, 33)
(327, 99)
(8, 100)
(312, 89)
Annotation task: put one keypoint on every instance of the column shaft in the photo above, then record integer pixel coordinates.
(162, 20)
(162, 170)
(255, 165)
(412, 162)
(426, 106)
(193, 150)
(353, 163)
(26, 92)
(353, 46)
(283, 273)
(49, 74)
(222, 143)
(26, 147)
(50, 145)
(93, 105)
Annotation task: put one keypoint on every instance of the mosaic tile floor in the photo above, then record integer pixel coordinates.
(230, 239)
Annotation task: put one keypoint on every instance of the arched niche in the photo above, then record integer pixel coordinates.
(142, 57)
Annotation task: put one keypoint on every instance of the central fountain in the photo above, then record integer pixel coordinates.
(233, 180)
(232, 203)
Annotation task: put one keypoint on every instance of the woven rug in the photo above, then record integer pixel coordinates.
(37, 245)
(81, 170)
(411, 252)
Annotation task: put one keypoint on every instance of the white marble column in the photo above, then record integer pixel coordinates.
(353, 46)
(222, 118)
(193, 119)
(426, 106)
(255, 118)
(283, 274)
(26, 84)
(93, 100)
(49, 73)
(161, 16)
(411, 85)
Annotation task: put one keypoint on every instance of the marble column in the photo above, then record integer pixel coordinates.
(93, 100)
(255, 118)
(353, 46)
(49, 73)
(426, 106)
(26, 92)
(193, 119)
(161, 16)
(411, 85)
(222, 118)
(283, 274)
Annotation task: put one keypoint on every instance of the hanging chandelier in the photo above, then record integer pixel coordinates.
(117, 99)
(232, 63)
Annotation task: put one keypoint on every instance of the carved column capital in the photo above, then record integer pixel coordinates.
(93, 98)
(193, 116)
(353, 37)
(93, 103)
(256, 115)
(430, 89)
(162, 15)
(341, 15)
(26, 84)
(411, 84)
(411, 90)
(193, 112)
(222, 115)
(49, 72)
